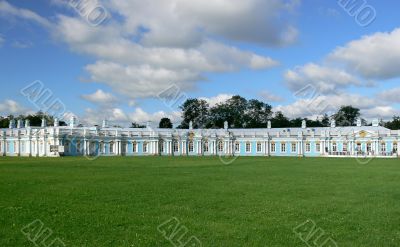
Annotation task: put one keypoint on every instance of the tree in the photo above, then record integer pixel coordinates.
(165, 123)
(280, 121)
(325, 121)
(233, 111)
(136, 125)
(257, 114)
(347, 116)
(394, 124)
(195, 111)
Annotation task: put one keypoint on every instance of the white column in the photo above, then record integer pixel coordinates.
(3, 147)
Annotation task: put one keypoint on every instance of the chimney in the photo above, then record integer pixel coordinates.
(44, 123)
(269, 125)
(303, 124)
(333, 123)
(359, 122)
(226, 125)
(375, 123)
(105, 124)
(190, 125)
(20, 123)
(12, 124)
(72, 122)
(27, 123)
(56, 122)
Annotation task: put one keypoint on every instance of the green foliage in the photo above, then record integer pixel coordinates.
(394, 124)
(165, 123)
(136, 125)
(347, 116)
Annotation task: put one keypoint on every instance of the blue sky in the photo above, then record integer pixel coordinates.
(264, 49)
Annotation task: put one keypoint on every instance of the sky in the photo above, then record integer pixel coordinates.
(137, 61)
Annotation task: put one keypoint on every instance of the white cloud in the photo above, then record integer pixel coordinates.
(220, 98)
(323, 79)
(120, 117)
(391, 95)
(321, 104)
(141, 64)
(12, 107)
(256, 21)
(375, 56)
(270, 97)
(7, 9)
(100, 97)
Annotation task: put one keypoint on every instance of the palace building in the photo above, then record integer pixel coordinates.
(20, 139)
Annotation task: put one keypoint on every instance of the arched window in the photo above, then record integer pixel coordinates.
(205, 147)
(237, 146)
(78, 146)
(395, 147)
(220, 146)
(66, 146)
(191, 146)
(176, 146)
(383, 147)
(334, 147)
(102, 147)
(161, 146)
(134, 147)
(283, 147)
(308, 147)
(145, 147)
(111, 147)
(248, 147)
(294, 147)
(259, 147)
(273, 147)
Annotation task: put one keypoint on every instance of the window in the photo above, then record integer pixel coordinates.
(191, 146)
(395, 148)
(334, 147)
(15, 147)
(111, 147)
(259, 147)
(345, 147)
(248, 147)
(318, 147)
(0, 147)
(308, 147)
(220, 146)
(294, 147)
(358, 148)
(383, 147)
(273, 147)
(205, 147)
(145, 146)
(22, 147)
(134, 147)
(369, 147)
(176, 146)
(101, 147)
(237, 146)
(7, 147)
(283, 148)
(161, 147)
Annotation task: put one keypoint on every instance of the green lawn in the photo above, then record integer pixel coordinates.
(253, 202)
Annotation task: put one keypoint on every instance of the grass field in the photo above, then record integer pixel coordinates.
(253, 202)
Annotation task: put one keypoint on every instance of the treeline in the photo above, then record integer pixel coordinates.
(35, 120)
(243, 113)
(237, 111)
